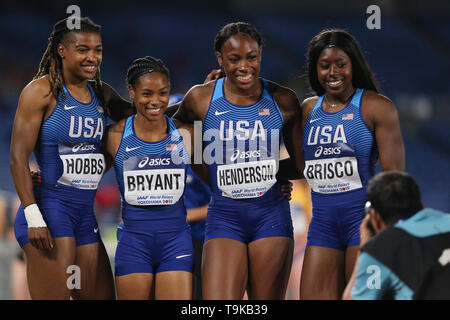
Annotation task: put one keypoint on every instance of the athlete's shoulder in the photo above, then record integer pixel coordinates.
(37, 94)
(277, 89)
(308, 104)
(374, 98)
(285, 97)
(195, 103)
(370, 95)
(203, 90)
(375, 105)
(39, 87)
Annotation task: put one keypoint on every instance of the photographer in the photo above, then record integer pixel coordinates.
(409, 257)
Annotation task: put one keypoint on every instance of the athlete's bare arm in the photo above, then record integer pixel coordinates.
(292, 132)
(112, 142)
(213, 75)
(187, 133)
(381, 117)
(118, 107)
(34, 101)
(195, 103)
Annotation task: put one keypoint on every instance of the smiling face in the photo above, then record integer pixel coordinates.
(150, 94)
(334, 71)
(240, 57)
(82, 54)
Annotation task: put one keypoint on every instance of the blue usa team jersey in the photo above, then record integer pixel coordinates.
(340, 152)
(151, 178)
(241, 146)
(68, 148)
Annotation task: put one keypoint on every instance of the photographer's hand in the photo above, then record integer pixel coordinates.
(364, 231)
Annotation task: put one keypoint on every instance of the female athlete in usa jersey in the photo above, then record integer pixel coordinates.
(248, 237)
(345, 127)
(154, 257)
(61, 117)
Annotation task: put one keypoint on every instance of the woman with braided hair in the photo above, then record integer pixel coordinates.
(154, 257)
(61, 117)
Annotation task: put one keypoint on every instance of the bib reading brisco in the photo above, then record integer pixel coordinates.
(152, 180)
(83, 164)
(331, 168)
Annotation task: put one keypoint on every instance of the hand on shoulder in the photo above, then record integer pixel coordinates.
(195, 103)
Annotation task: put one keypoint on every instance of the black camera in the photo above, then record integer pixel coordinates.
(367, 209)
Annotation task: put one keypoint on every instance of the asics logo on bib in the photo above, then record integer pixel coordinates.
(83, 147)
(153, 162)
(86, 127)
(242, 131)
(245, 154)
(327, 151)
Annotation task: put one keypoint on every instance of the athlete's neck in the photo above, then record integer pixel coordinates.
(77, 88)
(150, 130)
(241, 96)
(336, 100)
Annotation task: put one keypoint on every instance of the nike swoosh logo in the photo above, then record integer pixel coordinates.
(95, 230)
(218, 113)
(314, 120)
(131, 149)
(184, 255)
(68, 108)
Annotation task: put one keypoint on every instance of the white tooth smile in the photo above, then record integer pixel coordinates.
(245, 78)
(335, 83)
(90, 68)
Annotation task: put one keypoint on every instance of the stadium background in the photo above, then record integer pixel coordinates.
(410, 56)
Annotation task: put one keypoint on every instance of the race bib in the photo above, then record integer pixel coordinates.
(152, 180)
(331, 169)
(244, 180)
(83, 165)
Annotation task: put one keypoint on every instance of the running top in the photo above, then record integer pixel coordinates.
(151, 178)
(68, 148)
(241, 146)
(340, 151)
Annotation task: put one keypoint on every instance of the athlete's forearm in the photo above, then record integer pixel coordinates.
(288, 170)
(20, 171)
